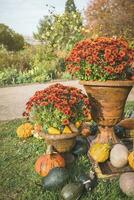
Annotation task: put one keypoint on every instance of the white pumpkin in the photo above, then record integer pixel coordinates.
(37, 134)
(119, 155)
(126, 183)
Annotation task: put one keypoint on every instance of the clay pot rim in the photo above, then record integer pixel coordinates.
(108, 83)
(60, 136)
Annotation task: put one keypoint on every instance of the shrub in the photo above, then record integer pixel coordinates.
(8, 76)
(66, 76)
(17, 60)
(33, 75)
(12, 41)
(12, 76)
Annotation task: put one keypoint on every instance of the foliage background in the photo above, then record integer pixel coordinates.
(11, 40)
(57, 33)
(110, 18)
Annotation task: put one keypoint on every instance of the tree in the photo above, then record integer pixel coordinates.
(60, 31)
(111, 18)
(9, 39)
(70, 6)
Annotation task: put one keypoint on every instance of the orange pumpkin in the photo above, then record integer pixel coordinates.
(48, 161)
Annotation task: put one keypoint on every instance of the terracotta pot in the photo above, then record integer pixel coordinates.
(107, 105)
(62, 142)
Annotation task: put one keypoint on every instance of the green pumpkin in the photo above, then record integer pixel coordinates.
(55, 179)
(93, 129)
(72, 191)
(81, 146)
(119, 131)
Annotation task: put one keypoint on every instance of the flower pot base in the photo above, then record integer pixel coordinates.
(106, 135)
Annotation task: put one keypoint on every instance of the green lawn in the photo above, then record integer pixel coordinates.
(19, 181)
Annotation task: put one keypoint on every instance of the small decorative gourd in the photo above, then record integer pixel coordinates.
(73, 128)
(85, 129)
(24, 130)
(48, 161)
(53, 131)
(131, 160)
(119, 155)
(88, 180)
(78, 124)
(37, 134)
(81, 146)
(37, 128)
(72, 191)
(119, 131)
(99, 152)
(131, 133)
(67, 130)
(85, 132)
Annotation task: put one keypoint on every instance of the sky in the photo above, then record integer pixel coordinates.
(23, 15)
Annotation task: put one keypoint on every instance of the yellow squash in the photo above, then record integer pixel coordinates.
(131, 160)
(99, 152)
(53, 131)
(132, 133)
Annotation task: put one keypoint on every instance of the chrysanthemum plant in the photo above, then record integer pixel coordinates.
(101, 59)
(57, 106)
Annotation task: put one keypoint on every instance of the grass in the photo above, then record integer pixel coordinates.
(20, 182)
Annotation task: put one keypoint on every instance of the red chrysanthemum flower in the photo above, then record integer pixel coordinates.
(57, 104)
(96, 54)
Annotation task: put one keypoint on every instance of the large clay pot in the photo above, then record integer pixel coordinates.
(107, 101)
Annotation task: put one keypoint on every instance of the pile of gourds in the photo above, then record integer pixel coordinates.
(83, 128)
(119, 157)
(27, 129)
(67, 129)
(118, 154)
(51, 166)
